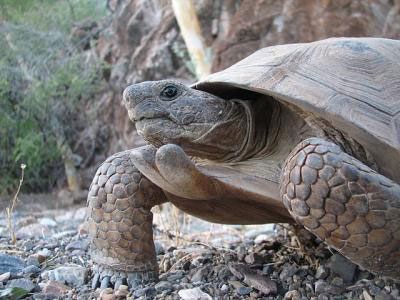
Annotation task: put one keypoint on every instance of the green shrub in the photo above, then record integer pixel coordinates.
(45, 81)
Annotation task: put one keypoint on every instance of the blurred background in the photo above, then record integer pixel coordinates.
(65, 63)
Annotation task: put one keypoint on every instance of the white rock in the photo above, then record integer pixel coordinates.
(47, 222)
(194, 294)
(71, 274)
(80, 214)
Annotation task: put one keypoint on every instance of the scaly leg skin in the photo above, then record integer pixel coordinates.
(345, 203)
(120, 224)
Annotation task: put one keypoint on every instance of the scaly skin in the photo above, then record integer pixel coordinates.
(345, 203)
(120, 223)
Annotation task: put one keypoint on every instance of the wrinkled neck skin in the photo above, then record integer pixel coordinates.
(271, 132)
(240, 135)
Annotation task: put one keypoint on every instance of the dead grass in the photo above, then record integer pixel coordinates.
(10, 209)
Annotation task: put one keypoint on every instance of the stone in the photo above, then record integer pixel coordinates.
(122, 292)
(159, 248)
(254, 258)
(261, 283)
(147, 292)
(78, 245)
(200, 274)
(35, 230)
(107, 294)
(294, 295)
(366, 295)
(288, 271)
(31, 270)
(5, 276)
(44, 253)
(10, 264)
(71, 274)
(54, 288)
(322, 272)
(163, 285)
(244, 290)
(343, 267)
(320, 286)
(194, 294)
(47, 222)
(22, 283)
(236, 284)
(35, 260)
(80, 214)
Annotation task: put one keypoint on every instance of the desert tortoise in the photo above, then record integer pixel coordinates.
(302, 132)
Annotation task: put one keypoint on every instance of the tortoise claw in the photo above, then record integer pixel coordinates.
(106, 277)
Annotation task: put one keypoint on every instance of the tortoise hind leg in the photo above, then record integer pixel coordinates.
(345, 203)
(120, 223)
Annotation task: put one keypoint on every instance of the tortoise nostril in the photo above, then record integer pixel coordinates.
(131, 95)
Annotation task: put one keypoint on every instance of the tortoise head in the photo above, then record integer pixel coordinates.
(204, 125)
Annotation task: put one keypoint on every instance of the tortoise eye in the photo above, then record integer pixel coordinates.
(169, 92)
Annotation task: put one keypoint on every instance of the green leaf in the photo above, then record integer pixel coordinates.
(13, 293)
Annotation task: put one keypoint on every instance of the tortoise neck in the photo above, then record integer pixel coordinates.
(262, 124)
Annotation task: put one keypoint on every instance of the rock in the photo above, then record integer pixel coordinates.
(337, 281)
(175, 276)
(107, 294)
(83, 229)
(159, 248)
(254, 258)
(200, 274)
(322, 272)
(236, 284)
(13, 293)
(194, 294)
(64, 234)
(288, 271)
(147, 292)
(261, 283)
(254, 280)
(122, 292)
(78, 245)
(80, 214)
(244, 290)
(31, 270)
(10, 264)
(28, 245)
(35, 260)
(366, 295)
(320, 286)
(72, 275)
(163, 285)
(35, 230)
(47, 222)
(267, 229)
(44, 253)
(262, 238)
(54, 288)
(5, 276)
(22, 283)
(241, 253)
(383, 296)
(343, 267)
(294, 295)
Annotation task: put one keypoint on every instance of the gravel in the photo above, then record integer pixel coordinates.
(262, 264)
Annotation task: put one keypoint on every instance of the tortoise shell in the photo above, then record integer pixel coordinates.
(353, 83)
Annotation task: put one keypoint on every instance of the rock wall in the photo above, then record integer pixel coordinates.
(143, 40)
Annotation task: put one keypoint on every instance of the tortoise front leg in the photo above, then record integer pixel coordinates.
(120, 223)
(345, 203)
